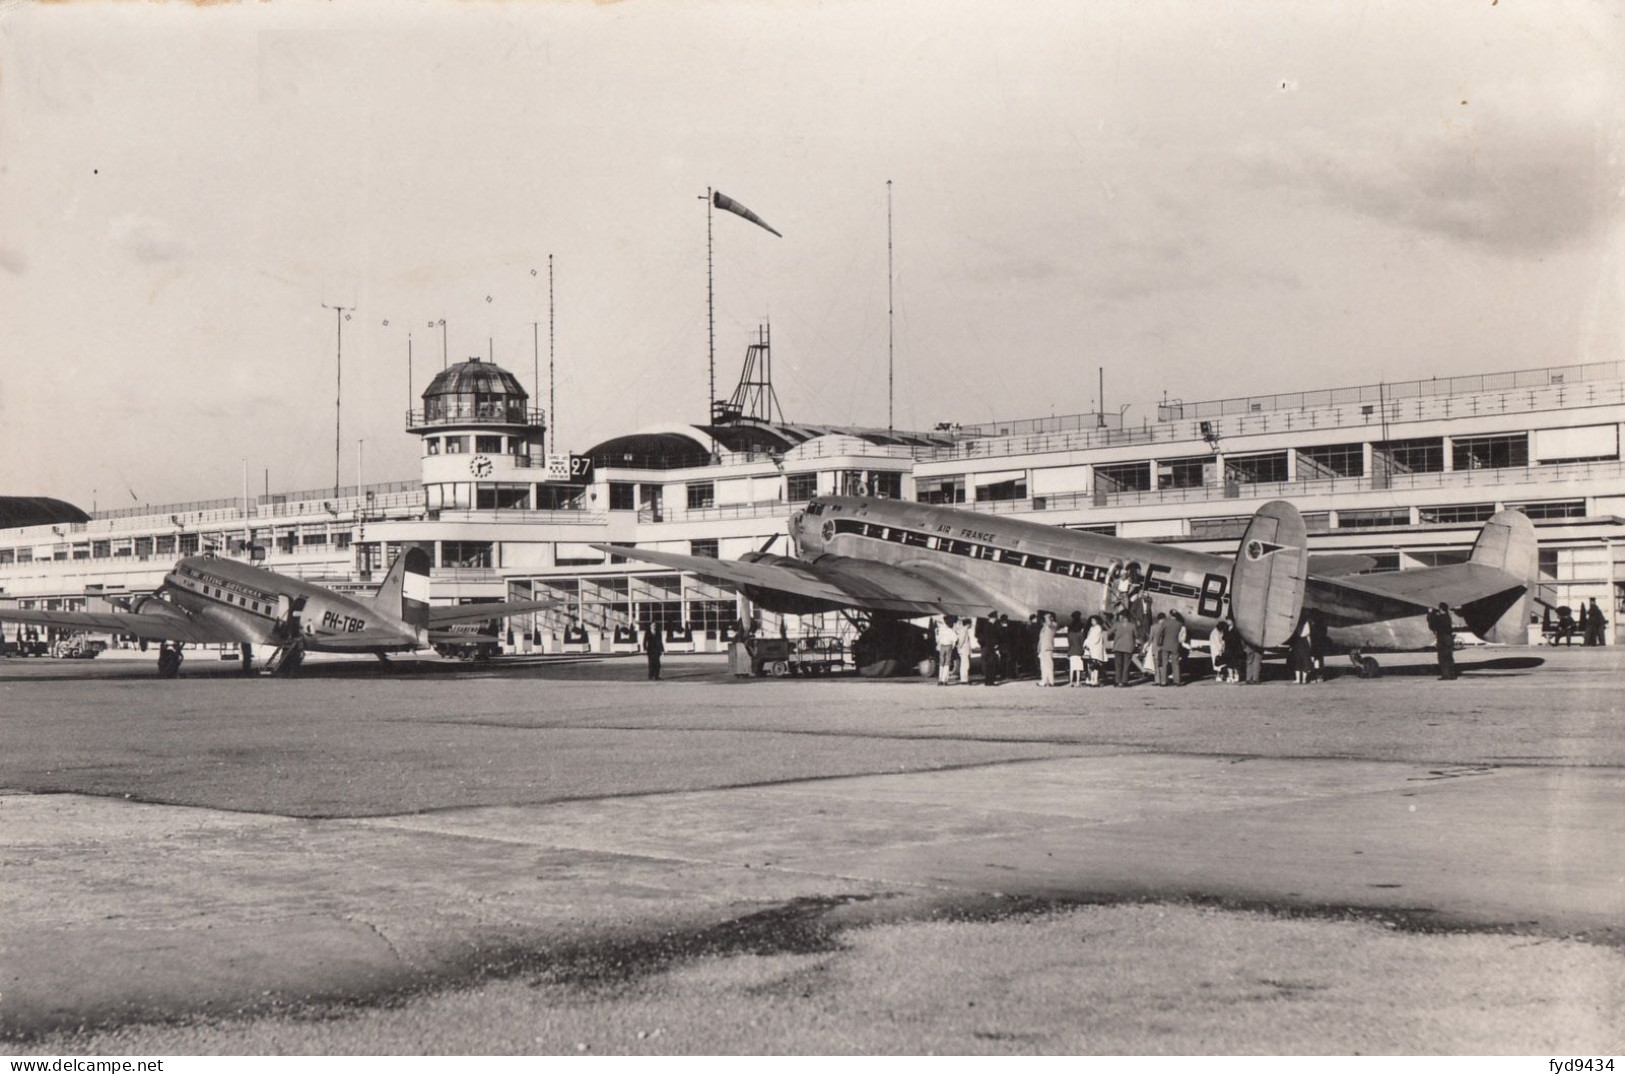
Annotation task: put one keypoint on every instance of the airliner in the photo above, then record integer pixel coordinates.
(898, 560)
(212, 600)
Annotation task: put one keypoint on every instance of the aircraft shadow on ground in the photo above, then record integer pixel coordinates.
(398, 668)
(1431, 670)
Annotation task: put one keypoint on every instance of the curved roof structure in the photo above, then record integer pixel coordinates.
(475, 377)
(655, 450)
(18, 511)
(782, 435)
(666, 449)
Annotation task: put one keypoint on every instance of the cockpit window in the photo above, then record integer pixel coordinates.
(815, 508)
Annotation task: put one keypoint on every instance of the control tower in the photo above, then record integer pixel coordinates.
(482, 441)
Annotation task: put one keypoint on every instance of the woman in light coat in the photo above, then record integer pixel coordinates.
(1094, 649)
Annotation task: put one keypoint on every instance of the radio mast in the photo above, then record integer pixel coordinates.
(338, 391)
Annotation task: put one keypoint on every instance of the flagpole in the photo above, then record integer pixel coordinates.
(552, 405)
(710, 314)
(338, 393)
(889, 317)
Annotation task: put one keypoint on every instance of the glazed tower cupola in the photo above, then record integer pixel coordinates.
(482, 441)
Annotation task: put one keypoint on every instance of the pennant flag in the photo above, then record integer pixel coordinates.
(723, 201)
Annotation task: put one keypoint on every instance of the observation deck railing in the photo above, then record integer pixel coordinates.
(763, 509)
(1501, 481)
(563, 516)
(1478, 384)
(475, 414)
(1354, 415)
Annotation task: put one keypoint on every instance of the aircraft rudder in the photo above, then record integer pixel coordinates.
(1270, 574)
(405, 590)
(1508, 543)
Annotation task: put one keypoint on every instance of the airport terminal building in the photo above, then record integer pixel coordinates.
(1404, 473)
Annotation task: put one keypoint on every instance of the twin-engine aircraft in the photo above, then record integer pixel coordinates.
(208, 600)
(899, 560)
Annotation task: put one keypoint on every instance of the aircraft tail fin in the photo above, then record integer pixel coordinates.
(1267, 583)
(1507, 543)
(405, 592)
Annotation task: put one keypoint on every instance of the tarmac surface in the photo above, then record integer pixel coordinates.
(554, 855)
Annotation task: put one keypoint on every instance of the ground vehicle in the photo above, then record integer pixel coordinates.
(805, 656)
(76, 647)
(478, 647)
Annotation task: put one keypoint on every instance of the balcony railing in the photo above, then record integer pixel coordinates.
(516, 515)
(1434, 387)
(475, 414)
(276, 504)
(1354, 415)
(1502, 480)
(764, 509)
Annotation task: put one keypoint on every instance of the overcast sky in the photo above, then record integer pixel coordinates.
(1207, 199)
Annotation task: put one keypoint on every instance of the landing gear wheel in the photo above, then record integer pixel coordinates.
(889, 647)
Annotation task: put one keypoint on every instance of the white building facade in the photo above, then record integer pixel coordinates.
(1405, 473)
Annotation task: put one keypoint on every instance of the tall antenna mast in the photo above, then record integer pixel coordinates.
(710, 316)
(889, 317)
(338, 391)
(552, 407)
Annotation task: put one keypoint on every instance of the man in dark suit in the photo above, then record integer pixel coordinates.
(1444, 635)
(987, 631)
(654, 643)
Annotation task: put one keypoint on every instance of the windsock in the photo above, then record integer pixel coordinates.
(723, 201)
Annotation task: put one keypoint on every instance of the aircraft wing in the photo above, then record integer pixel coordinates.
(169, 625)
(1397, 594)
(840, 581)
(440, 615)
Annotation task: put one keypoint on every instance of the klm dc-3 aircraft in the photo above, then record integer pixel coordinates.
(898, 560)
(209, 600)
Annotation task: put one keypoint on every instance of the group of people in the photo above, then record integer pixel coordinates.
(1592, 626)
(1129, 647)
(1010, 650)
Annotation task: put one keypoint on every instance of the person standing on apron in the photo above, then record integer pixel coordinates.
(1045, 653)
(654, 643)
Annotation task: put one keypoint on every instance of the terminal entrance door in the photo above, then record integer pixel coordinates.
(651, 498)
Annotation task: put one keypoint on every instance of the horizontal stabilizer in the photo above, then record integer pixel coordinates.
(1334, 564)
(440, 615)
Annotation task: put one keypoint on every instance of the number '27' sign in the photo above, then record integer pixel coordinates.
(572, 469)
